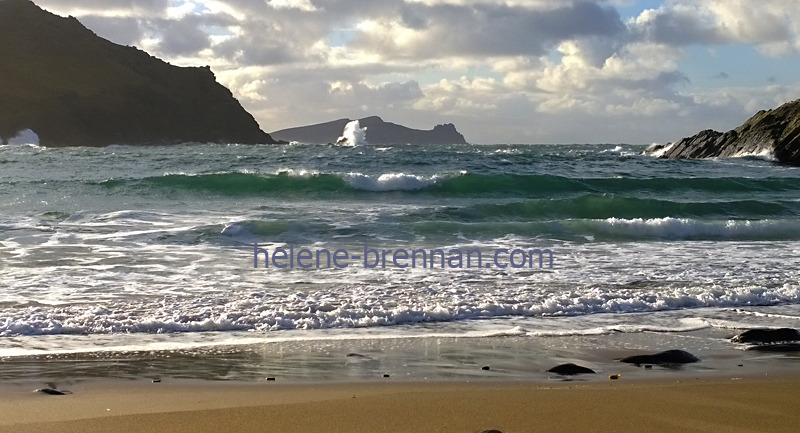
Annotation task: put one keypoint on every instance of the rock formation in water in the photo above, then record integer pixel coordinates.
(767, 336)
(74, 88)
(770, 340)
(667, 357)
(571, 370)
(378, 132)
(773, 133)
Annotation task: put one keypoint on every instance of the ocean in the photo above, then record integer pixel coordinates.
(111, 253)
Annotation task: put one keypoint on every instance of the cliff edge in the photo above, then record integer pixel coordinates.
(74, 88)
(774, 133)
(378, 132)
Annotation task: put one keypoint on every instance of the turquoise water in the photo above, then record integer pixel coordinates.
(132, 244)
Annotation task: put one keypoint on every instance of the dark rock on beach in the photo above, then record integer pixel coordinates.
(74, 88)
(767, 336)
(53, 391)
(570, 370)
(780, 347)
(669, 357)
(771, 132)
(378, 132)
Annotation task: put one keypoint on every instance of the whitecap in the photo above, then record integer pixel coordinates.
(391, 181)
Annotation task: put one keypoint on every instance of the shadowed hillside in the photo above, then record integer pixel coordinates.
(74, 88)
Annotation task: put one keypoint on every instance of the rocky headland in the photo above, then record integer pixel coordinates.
(74, 88)
(770, 133)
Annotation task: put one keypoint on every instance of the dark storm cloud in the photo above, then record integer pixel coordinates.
(716, 23)
(413, 19)
(177, 37)
(678, 27)
(120, 30)
(260, 42)
(105, 5)
(184, 36)
(494, 29)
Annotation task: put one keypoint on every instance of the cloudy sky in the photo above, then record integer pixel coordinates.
(524, 71)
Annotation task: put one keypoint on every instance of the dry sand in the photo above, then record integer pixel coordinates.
(714, 405)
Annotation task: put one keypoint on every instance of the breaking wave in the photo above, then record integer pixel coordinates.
(447, 184)
(365, 309)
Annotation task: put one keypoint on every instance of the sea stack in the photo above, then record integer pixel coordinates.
(773, 133)
(74, 88)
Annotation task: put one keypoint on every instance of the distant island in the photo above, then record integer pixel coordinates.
(378, 132)
(73, 88)
(772, 133)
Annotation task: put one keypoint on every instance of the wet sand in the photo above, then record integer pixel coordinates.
(731, 404)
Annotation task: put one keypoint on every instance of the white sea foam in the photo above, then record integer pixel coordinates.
(686, 228)
(767, 153)
(24, 138)
(353, 135)
(617, 149)
(763, 314)
(391, 181)
(301, 173)
(367, 308)
(660, 152)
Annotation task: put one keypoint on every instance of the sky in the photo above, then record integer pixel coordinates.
(503, 71)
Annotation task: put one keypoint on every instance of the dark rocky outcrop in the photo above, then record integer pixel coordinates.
(669, 357)
(74, 88)
(767, 336)
(770, 340)
(772, 132)
(52, 391)
(570, 370)
(780, 347)
(378, 132)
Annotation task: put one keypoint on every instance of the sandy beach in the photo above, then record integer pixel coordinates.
(730, 404)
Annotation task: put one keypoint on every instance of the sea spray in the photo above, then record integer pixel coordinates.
(353, 135)
(24, 138)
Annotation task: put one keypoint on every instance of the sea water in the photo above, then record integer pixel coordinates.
(126, 249)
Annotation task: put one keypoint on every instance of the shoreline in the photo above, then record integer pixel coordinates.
(750, 403)
(435, 384)
(432, 358)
